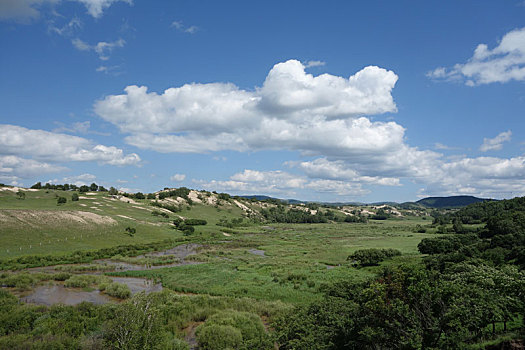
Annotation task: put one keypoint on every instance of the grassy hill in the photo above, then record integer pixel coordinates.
(450, 202)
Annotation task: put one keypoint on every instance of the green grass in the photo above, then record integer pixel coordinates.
(46, 233)
(296, 259)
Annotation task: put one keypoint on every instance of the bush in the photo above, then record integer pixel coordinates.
(195, 222)
(61, 200)
(74, 197)
(217, 337)
(370, 257)
(118, 290)
(222, 330)
(130, 231)
(84, 281)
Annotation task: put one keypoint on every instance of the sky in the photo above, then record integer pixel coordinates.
(325, 101)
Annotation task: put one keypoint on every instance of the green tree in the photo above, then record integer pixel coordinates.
(74, 197)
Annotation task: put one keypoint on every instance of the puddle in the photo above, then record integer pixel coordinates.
(181, 252)
(58, 294)
(257, 252)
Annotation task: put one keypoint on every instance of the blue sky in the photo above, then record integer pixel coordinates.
(332, 101)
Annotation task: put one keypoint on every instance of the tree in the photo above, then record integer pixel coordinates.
(37, 186)
(136, 325)
(83, 189)
(74, 197)
(113, 191)
(20, 195)
(93, 187)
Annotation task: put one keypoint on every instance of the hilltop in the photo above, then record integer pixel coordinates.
(450, 202)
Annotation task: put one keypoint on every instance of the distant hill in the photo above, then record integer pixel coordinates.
(450, 202)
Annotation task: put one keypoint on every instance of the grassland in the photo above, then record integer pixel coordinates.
(287, 262)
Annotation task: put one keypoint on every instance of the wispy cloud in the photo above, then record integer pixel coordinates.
(309, 64)
(183, 28)
(102, 49)
(178, 177)
(504, 63)
(66, 30)
(25, 11)
(496, 143)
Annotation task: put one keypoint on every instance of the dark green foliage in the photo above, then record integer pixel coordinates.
(219, 337)
(20, 195)
(238, 222)
(355, 218)
(113, 191)
(159, 213)
(74, 197)
(37, 186)
(61, 200)
(83, 189)
(381, 214)
(93, 187)
(450, 202)
(131, 231)
(139, 195)
(370, 257)
(195, 222)
(150, 196)
(233, 330)
(280, 214)
(407, 308)
(223, 196)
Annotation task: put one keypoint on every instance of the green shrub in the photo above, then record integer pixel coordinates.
(217, 337)
(226, 324)
(195, 222)
(84, 281)
(118, 290)
(373, 256)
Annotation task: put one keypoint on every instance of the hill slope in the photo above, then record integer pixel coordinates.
(450, 202)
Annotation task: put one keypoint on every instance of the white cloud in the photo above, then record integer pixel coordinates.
(504, 63)
(24, 168)
(292, 110)
(102, 48)
(178, 177)
(78, 180)
(26, 10)
(55, 147)
(67, 29)
(96, 7)
(182, 28)
(482, 176)
(496, 143)
(19, 10)
(309, 64)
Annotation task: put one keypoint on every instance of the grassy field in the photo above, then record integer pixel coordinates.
(287, 262)
(36, 225)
